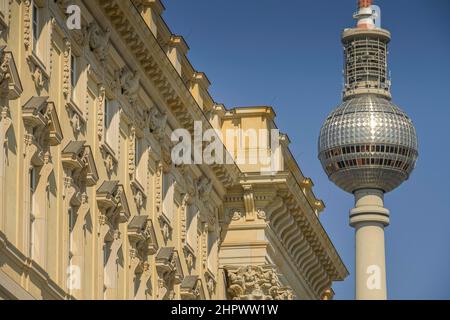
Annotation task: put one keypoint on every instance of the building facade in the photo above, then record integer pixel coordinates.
(92, 205)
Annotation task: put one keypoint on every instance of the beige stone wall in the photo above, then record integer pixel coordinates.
(91, 205)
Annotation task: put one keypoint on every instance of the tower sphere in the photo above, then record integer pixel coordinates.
(367, 142)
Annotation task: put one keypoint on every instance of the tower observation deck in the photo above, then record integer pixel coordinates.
(366, 68)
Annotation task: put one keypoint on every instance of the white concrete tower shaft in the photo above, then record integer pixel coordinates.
(369, 218)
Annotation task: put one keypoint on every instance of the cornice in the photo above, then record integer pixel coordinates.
(294, 222)
(128, 24)
(237, 112)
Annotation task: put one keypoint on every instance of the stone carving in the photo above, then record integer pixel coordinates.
(110, 162)
(328, 294)
(211, 217)
(256, 283)
(210, 284)
(139, 198)
(140, 115)
(5, 75)
(132, 153)
(27, 24)
(63, 4)
(157, 122)
(234, 214)
(98, 41)
(261, 214)
(204, 187)
(75, 123)
(80, 35)
(37, 74)
(166, 229)
(129, 84)
(100, 112)
(190, 258)
(66, 69)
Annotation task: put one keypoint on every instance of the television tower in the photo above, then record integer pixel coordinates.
(368, 145)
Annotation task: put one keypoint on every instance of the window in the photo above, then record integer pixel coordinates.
(110, 269)
(73, 74)
(168, 195)
(111, 124)
(140, 161)
(32, 233)
(4, 11)
(191, 226)
(212, 252)
(72, 220)
(40, 35)
(35, 27)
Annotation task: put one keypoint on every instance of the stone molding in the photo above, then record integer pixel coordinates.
(256, 283)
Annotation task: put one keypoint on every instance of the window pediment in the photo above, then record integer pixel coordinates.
(111, 194)
(39, 112)
(192, 288)
(8, 72)
(142, 234)
(77, 156)
(168, 262)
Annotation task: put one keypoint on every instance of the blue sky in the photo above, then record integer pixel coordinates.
(288, 54)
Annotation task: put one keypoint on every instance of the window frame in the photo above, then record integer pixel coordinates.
(192, 213)
(140, 160)
(32, 189)
(36, 28)
(168, 204)
(111, 122)
(74, 75)
(212, 251)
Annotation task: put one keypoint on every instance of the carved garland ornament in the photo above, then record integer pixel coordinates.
(100, 112)
(66, 69)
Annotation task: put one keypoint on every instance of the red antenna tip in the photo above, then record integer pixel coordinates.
(365, 3)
